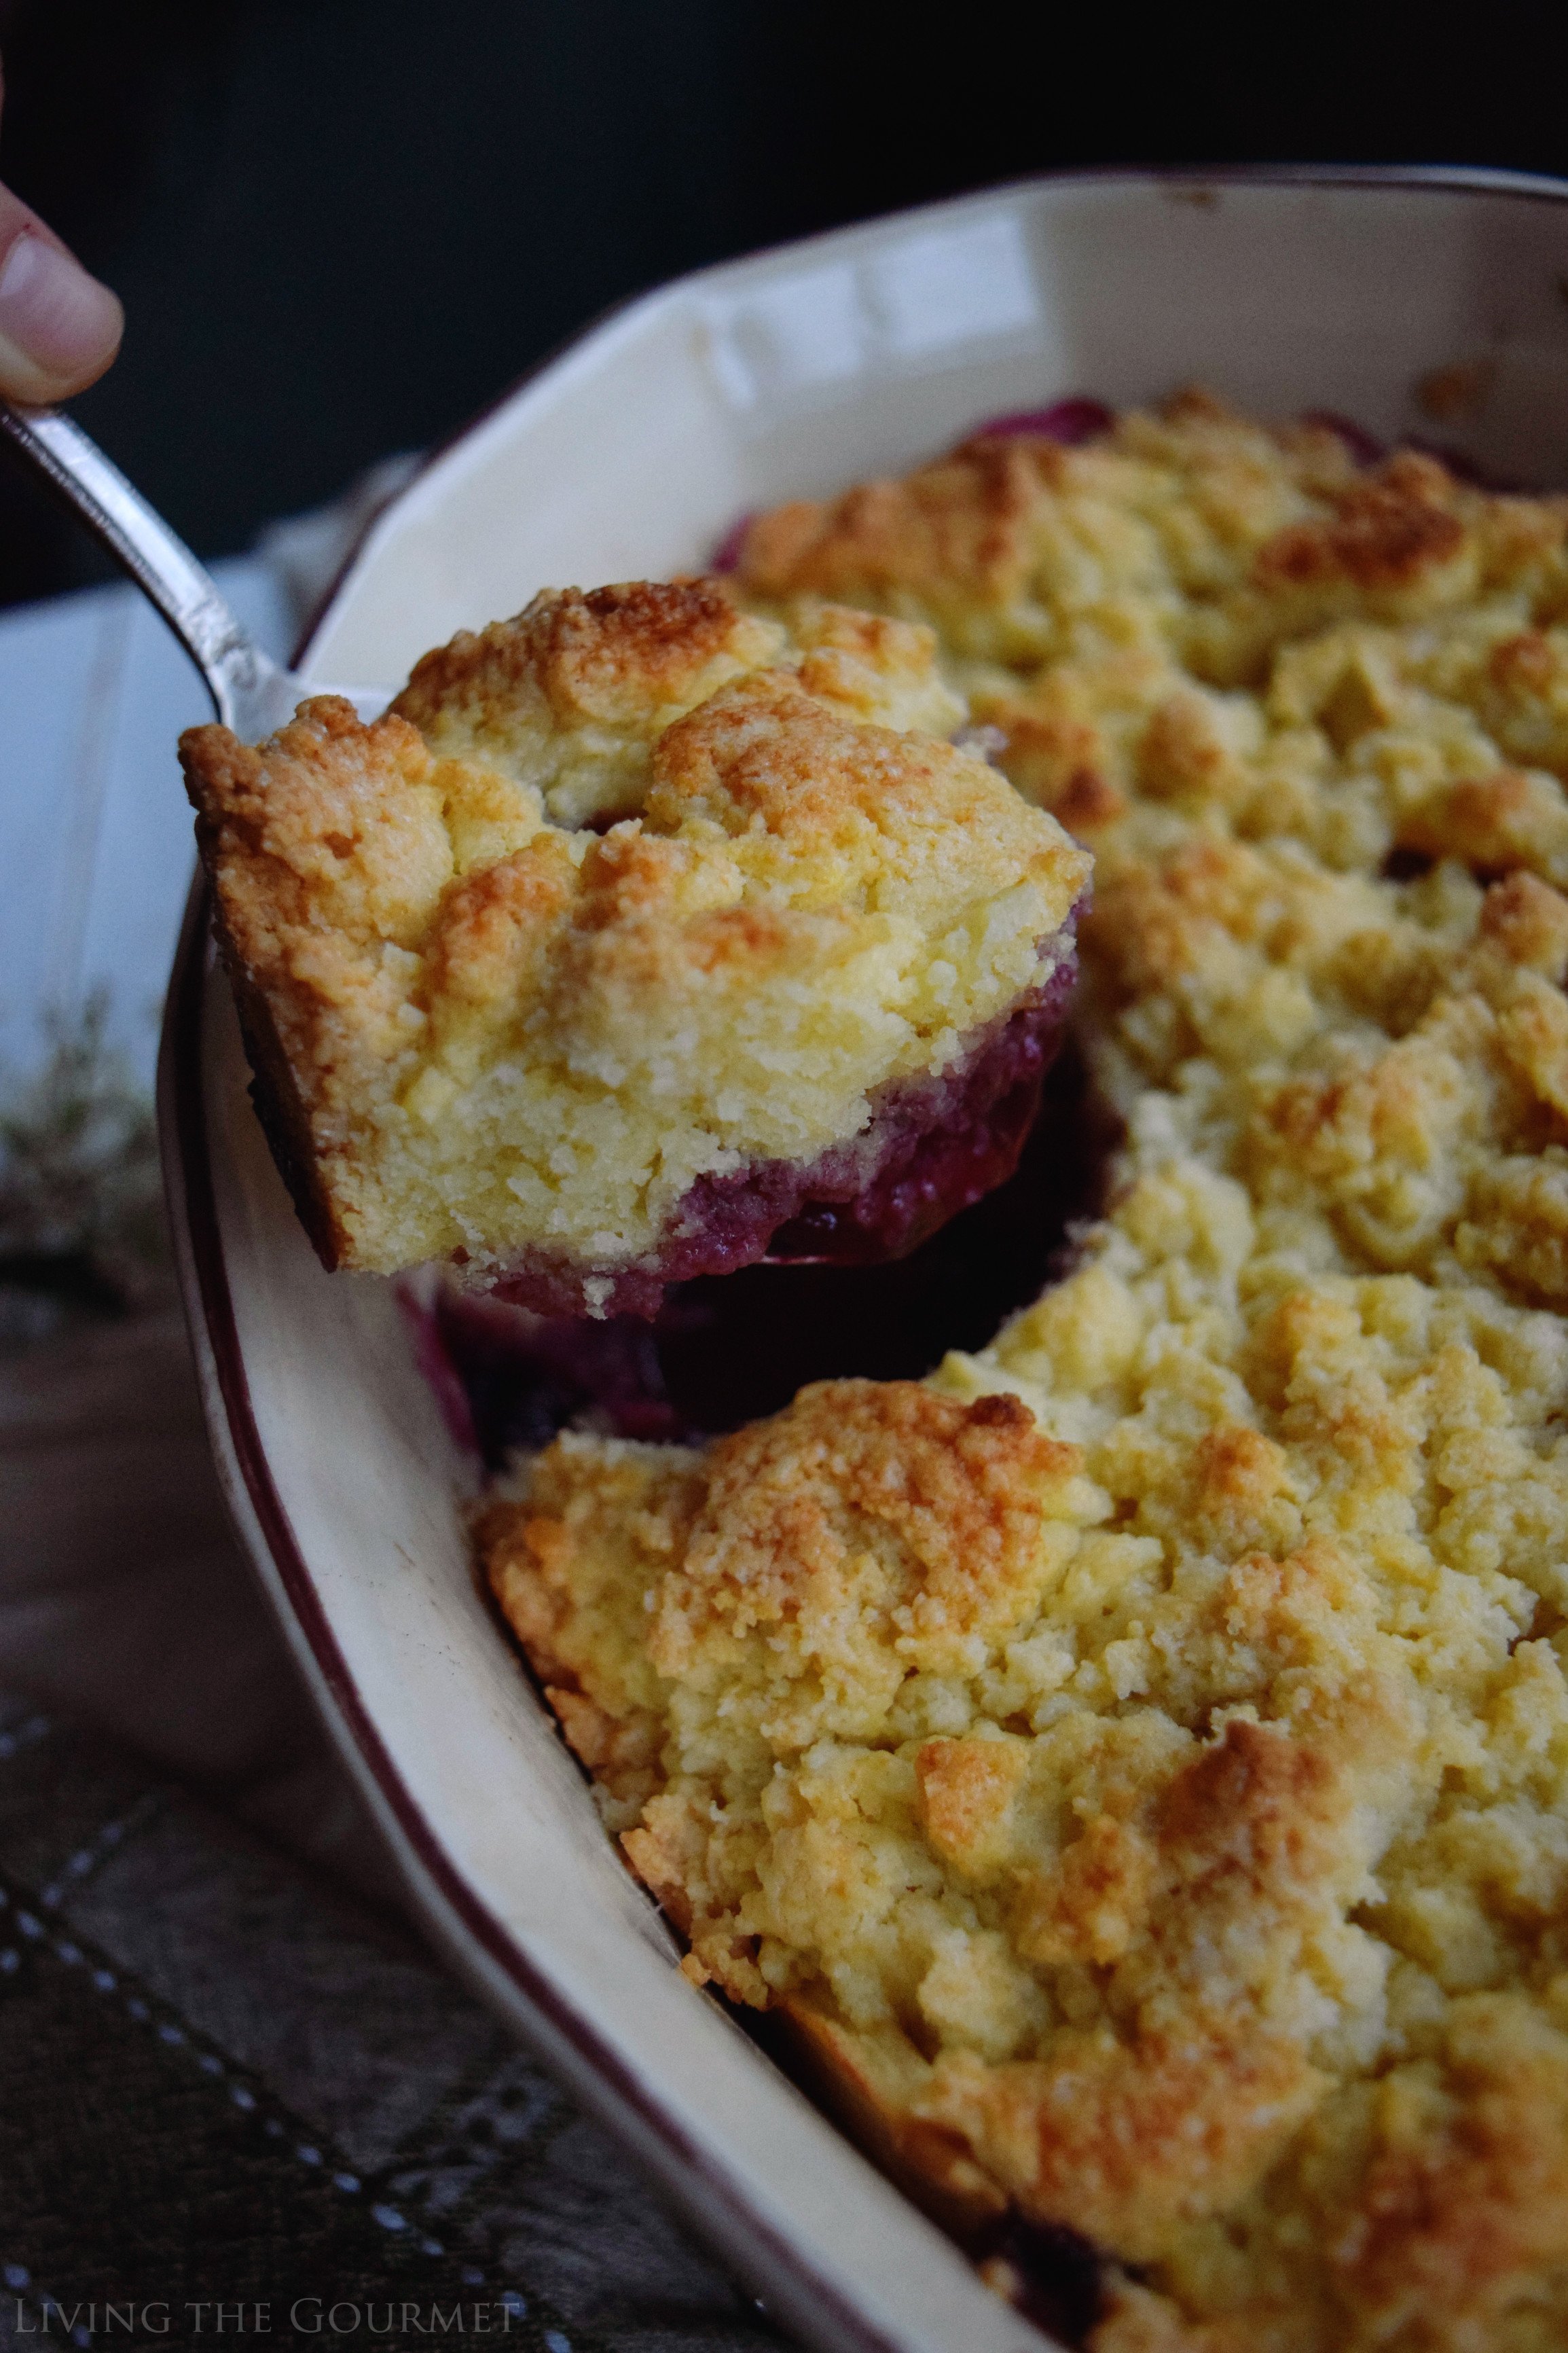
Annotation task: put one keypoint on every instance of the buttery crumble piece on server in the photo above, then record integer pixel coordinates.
(638, 928)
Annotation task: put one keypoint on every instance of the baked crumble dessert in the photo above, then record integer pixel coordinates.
(1135, 1758)
(641, 937)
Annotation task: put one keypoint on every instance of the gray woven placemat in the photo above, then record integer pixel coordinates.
(224, 2083)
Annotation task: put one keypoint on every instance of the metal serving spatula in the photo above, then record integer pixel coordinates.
(252, 693)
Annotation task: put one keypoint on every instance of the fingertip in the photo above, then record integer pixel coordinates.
(112, 319)
(59, 327)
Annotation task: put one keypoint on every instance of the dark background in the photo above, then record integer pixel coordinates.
(339, 226)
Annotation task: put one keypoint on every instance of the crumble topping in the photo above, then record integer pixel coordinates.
(625, 897)
(1136, 1759)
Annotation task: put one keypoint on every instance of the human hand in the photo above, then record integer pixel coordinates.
(59, 328)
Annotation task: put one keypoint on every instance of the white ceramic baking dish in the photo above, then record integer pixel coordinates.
(792, 373)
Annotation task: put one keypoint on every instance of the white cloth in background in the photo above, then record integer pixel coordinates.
(95, 829)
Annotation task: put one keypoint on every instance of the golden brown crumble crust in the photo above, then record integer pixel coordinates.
(1150, 1807)
(614, 654)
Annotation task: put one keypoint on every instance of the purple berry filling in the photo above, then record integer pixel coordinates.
(726, 557)
(1068, 421)
(933, 1146)
(726, 1349)
(1363, 446)
(504, 1377)
(1050, 2272)
(946, 1143)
